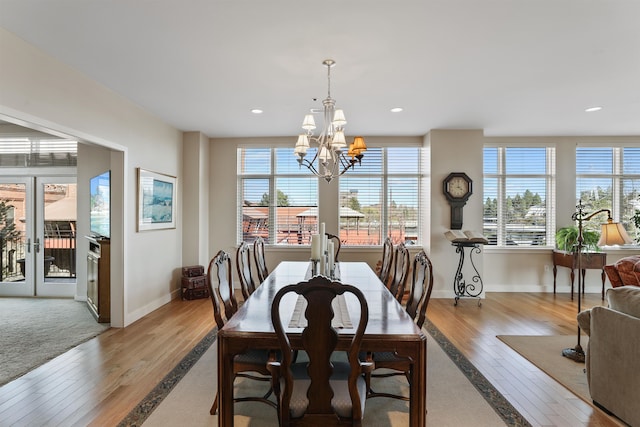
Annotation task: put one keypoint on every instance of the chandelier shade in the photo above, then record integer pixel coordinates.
(330, 159)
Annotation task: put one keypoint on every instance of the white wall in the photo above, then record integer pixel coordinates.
(44, 93)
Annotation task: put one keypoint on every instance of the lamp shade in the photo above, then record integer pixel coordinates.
(338, 119)
(359, 145)
(309, 123)
(613, 233)
(338, 142)
(324, 154)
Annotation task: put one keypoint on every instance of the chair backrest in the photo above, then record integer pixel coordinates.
(336, 244)
(387, 261)
(421, 287)
(222, 293)
(261, 262)
(400, 271)
(319, 340)
(243, 264)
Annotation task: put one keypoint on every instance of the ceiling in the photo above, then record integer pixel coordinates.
(510, 67)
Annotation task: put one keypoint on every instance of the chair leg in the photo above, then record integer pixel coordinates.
(214, 407)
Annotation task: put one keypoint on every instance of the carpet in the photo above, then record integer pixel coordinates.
(457, 394)
(35, 330)
(546, 353)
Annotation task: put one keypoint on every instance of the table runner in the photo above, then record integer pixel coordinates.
(341, 318)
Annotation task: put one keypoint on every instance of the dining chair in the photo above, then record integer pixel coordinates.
(336, 244)
(400, 275)
(243, 264)
(324, 390)
(416, 307)
(387, 261)
(225, 306)
(258, 257)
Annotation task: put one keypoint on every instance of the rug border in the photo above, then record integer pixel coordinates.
(151, 401)
(507, 412)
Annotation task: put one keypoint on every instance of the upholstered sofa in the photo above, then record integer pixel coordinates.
(613, 353)
(624, 272)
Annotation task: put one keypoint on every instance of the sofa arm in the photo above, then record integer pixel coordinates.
(614, 365)
(584, 321)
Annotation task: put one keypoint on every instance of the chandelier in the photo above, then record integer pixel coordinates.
(330, 159)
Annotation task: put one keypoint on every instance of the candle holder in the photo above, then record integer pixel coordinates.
(314, 267)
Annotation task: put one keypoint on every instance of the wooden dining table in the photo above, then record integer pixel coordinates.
(389, 328)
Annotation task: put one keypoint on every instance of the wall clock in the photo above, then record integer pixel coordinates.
(457, 187)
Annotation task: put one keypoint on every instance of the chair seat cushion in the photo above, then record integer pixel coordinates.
(341, 400)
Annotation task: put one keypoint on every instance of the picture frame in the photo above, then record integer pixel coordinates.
(156, 200)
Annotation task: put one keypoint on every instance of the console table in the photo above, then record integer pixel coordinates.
(590, 260)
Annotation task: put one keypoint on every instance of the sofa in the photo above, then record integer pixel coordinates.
(624, 272)
(613, 353)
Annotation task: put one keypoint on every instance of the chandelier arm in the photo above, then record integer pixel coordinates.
(310, 166)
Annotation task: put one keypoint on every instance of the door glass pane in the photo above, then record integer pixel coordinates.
(59, 231)
(12, 232)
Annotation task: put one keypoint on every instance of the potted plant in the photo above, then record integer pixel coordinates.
(567, 239)
(636, 221)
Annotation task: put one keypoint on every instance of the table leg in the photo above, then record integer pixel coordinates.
(603, 277)
(418, 388)
(225, 384)
(555, 271)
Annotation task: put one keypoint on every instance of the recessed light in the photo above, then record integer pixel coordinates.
(396, 109)
(256, 111)
(592, 109)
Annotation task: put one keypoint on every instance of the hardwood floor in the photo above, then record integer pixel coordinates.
(99, 382)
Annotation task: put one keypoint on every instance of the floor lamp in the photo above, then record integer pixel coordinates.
(611, 233)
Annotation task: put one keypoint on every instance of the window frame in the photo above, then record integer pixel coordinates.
(616, 177)
(272, 177)
(501, 176)
(385, 176)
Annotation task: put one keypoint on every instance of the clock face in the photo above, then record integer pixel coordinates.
(458, 187)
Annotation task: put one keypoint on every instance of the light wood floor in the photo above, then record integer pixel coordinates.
(100, 381)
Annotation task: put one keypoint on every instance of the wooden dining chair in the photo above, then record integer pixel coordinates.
(336, 244)
(322, 391)
(421, 287)
(387, 261)
(400, 271)
(225, 306)
(258, 257)
(243, 265)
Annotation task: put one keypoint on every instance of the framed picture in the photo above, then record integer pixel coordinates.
(156, 201)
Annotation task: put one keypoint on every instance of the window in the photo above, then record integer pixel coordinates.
(381, 197)
(609, 178)
(278, 199)
(30, 152)
(519, 188)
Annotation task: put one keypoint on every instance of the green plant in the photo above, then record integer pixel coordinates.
(636, 221)
(567, 239)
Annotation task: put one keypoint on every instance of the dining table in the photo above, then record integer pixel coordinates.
(389, 328)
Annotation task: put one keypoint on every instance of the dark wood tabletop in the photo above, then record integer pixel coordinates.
(389, 329)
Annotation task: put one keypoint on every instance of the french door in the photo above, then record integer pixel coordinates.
(38, 236)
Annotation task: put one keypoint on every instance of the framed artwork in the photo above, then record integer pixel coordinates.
(156, 201)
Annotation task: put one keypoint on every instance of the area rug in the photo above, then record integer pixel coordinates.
(35, 330)
(546, 353)
(453, 399)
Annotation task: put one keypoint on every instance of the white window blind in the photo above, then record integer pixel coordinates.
(609, 178)
(381, 197)
(519, 188)
(37, 152)
(279, 200)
